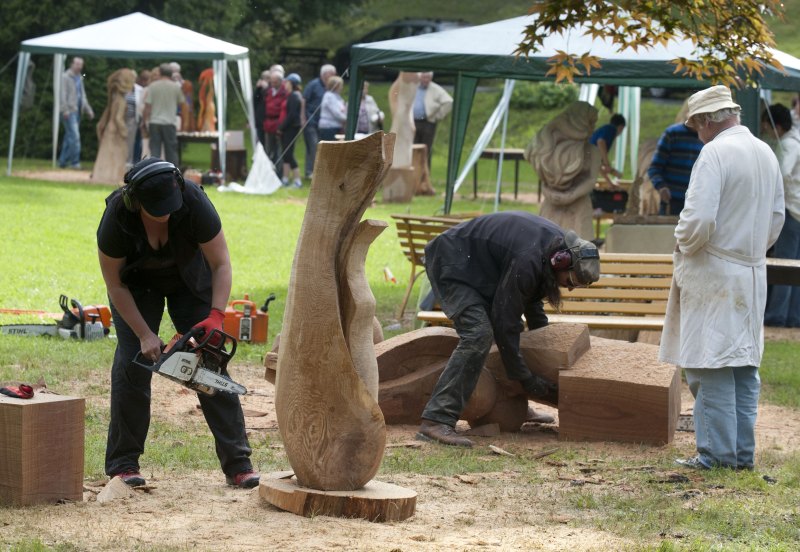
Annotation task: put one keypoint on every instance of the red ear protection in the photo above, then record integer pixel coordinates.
(561, 260)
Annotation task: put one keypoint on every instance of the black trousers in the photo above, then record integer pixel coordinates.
(675, 207)
(288, 143)
(273, 147)
(424, 134)
(460, 376)
(130, 389)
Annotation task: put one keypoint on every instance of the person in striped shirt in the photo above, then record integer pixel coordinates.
(672, 164)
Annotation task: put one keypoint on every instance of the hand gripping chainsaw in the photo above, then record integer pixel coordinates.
(198, 365)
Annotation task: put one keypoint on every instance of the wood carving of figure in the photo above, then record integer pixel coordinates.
(207, 112)
(401, 101)
(187, 113)
(567, 165)
(112, 131)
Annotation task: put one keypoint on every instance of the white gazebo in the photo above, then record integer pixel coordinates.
(136, 36)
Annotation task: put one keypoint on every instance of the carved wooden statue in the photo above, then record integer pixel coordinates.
(567, 165)
(207, 112)
(326, 388)
(112, 131)
(187, 112)
(400, 183)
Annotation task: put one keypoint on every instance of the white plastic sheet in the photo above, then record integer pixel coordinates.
(261, 180)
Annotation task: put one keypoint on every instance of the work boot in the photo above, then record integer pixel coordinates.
(132, 478)
(441, 433)
(539, 388)
(244, 480)
(539, 417)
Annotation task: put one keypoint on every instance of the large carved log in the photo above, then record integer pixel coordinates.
(332, 428)
(400, 182)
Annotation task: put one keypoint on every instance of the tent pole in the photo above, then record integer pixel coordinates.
(353, 100)
(509, 84)
(58, 72)
(463, 94)
(247, 93)
(750, 100)
(22, 70)
(220, 74)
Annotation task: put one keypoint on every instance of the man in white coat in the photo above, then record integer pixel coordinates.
(734, 212)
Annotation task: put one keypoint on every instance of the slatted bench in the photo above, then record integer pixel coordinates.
(630, 295)
(415, 232)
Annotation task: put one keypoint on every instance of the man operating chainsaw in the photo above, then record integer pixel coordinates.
(161, 240)
(487, 273)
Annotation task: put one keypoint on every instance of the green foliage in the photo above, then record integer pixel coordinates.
(543, 95)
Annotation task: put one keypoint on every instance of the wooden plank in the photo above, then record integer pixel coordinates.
(637, 269)
(636, 258)
(41, 449)
(377, 501)
(619, 391)
(655, 323)
(617, 307)
(595, 293)
(633, 282)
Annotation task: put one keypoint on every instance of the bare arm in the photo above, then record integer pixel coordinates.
(124, 303)
(148, 108)
(216, 253)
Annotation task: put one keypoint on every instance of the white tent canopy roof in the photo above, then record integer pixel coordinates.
(135, 36)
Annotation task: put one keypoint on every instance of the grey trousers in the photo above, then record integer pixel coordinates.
(167, 136)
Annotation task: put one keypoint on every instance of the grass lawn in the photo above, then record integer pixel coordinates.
(50, 249)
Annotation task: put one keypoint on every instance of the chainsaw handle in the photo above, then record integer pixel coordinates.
(270, 299)
(177, 346)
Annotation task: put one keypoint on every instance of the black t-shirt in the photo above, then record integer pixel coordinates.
(121, 234)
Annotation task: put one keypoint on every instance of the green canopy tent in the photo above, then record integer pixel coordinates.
(486, 51)
(136, 36)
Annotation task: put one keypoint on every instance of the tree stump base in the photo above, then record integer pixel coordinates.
(376, 501)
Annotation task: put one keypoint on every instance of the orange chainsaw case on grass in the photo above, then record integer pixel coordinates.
(245, 321)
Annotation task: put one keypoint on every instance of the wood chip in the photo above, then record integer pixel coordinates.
(405, 444)
(486, 430)
(469, 479)
(114, 490)
(250, 413)
(556, 463)
(501, 452)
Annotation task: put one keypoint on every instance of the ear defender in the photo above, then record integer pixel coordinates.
(133, 179)
(561, 260)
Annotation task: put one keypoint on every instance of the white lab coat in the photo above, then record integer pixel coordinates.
(733, 213)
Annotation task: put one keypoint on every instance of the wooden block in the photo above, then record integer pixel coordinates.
(376, 501)
(399, 185)
(619, 391)
(546, 350)
(41, 449)
(409, 365)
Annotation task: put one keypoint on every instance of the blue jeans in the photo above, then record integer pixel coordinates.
(725, 408)
(783, 307)
(71, 144)
(311, 138)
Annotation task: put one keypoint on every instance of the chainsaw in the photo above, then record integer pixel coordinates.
(79, 322)
(198, 365)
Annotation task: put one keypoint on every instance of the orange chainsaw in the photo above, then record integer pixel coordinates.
(78, 322)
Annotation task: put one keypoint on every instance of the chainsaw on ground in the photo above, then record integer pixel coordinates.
(198, 365)
(78, 322)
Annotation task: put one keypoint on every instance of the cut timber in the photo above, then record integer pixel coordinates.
(332, 428)
(400, 182)
(409, 365)
(114, 490)
(375, 502)
(419, 159)
(619, 392)
(41, 449)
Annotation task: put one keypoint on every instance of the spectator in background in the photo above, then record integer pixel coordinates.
(176, 72)
(259, 106)
(313, 96)
(74, 103)
(603, 138)
(289, 127)
(677, 150)
(164, 97)
(431, 105)
(370, 117)
(333, 110)
(783, 306)
(131, 123)
(274, 98)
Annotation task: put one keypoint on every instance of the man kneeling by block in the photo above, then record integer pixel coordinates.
(487, 273)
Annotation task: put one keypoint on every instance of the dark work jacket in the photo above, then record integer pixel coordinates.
(497, 261)
(122, 234)
(259, 106)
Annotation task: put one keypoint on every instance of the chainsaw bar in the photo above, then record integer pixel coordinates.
(29, 329)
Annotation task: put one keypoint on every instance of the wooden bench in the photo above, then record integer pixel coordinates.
(631, 295)
(415, 232)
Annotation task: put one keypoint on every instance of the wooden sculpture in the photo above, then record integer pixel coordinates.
(207, 112)
(187, 111)
(326, 385)
(400, 183)
(567, 165)
(112, 131)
